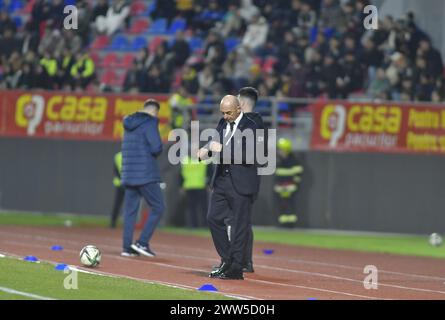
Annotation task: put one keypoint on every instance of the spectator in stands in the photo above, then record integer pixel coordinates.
(353, 73)
(232, 22)
(39, 14)
(164, 9)
(84, 16)
(9, 44)
(433, 58)
(134, 77)
(215, 51)
(206, 79)
(100, 10)
(190, 79)
(56, 14)
(333, 78)
(256, 34)
(115, 18)
(72, 41)
(26, 81)
(332, 16)
(83, 70)
(155, 81)
(49, 63)
(236, 67)
(307, 18)
(185, 9)
(248, 10)
(65, 64)
(52, 41)
(6, 23)
(379, 86)
(180, 49)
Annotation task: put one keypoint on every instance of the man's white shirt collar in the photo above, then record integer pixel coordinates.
(237, 120)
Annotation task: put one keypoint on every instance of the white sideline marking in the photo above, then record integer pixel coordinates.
(28, 295)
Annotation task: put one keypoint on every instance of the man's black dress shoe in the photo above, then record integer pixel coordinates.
(223, 268)
(248, 268)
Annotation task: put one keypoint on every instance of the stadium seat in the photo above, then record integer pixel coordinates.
(18, 21)
(139, 26)
(28, 7)
(138, 43)
(269, 64)
(119, 43)
(95, 57)
(159, 26)
(110, 60)
(137, 8)
(231, 44)
(100, 42)
(196, 43)
(15, 5)
(151, 7)
(108, 77)
(154, 43)
(126, 61)
(177, 25)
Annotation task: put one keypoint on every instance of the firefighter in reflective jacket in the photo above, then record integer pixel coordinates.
(120, 191)
(287, 180)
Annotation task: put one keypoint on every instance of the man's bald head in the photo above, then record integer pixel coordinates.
(230, 108)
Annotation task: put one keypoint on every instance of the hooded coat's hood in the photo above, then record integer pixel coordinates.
(134, 120)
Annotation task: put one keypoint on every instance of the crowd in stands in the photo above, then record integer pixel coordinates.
(285, 48)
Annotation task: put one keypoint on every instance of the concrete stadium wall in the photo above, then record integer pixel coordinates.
(349, 191)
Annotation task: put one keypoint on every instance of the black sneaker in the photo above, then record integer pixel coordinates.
(145, 251)
(129, 253)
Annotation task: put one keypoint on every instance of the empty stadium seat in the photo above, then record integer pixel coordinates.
(154, 43)
(15, 5)
(137, 8)
(100, 42)
(139, 26)
(108, 77)
(126, 61)
(159, 26)
(28, 7)
(119, 43)
(177, 25)
(110, 60)
(138, 43)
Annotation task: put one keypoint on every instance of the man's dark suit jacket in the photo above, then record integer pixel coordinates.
(244, 176)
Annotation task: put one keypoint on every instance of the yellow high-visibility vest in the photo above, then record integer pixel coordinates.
(194, 173)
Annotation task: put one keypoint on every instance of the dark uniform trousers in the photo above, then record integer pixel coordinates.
(226, 203)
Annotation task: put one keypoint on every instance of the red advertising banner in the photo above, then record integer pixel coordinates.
(378, 127)
(72, 115)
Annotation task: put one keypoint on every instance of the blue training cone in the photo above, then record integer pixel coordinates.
(56, 248)
(207, 287)
(31, 259)
(61, 267)
(268, 251)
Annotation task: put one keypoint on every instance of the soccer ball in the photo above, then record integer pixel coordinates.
(435, 240)
(90, 256)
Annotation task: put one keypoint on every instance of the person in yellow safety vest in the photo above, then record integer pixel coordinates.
(179, 102)
(83, 70)
(193, 181)
(286, 183)
(120, 190)
(50, 65)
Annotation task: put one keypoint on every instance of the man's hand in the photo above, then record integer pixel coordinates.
(203, 153)
(215, 146)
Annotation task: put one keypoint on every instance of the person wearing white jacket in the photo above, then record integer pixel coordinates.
(256, 34)
(114, 19)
